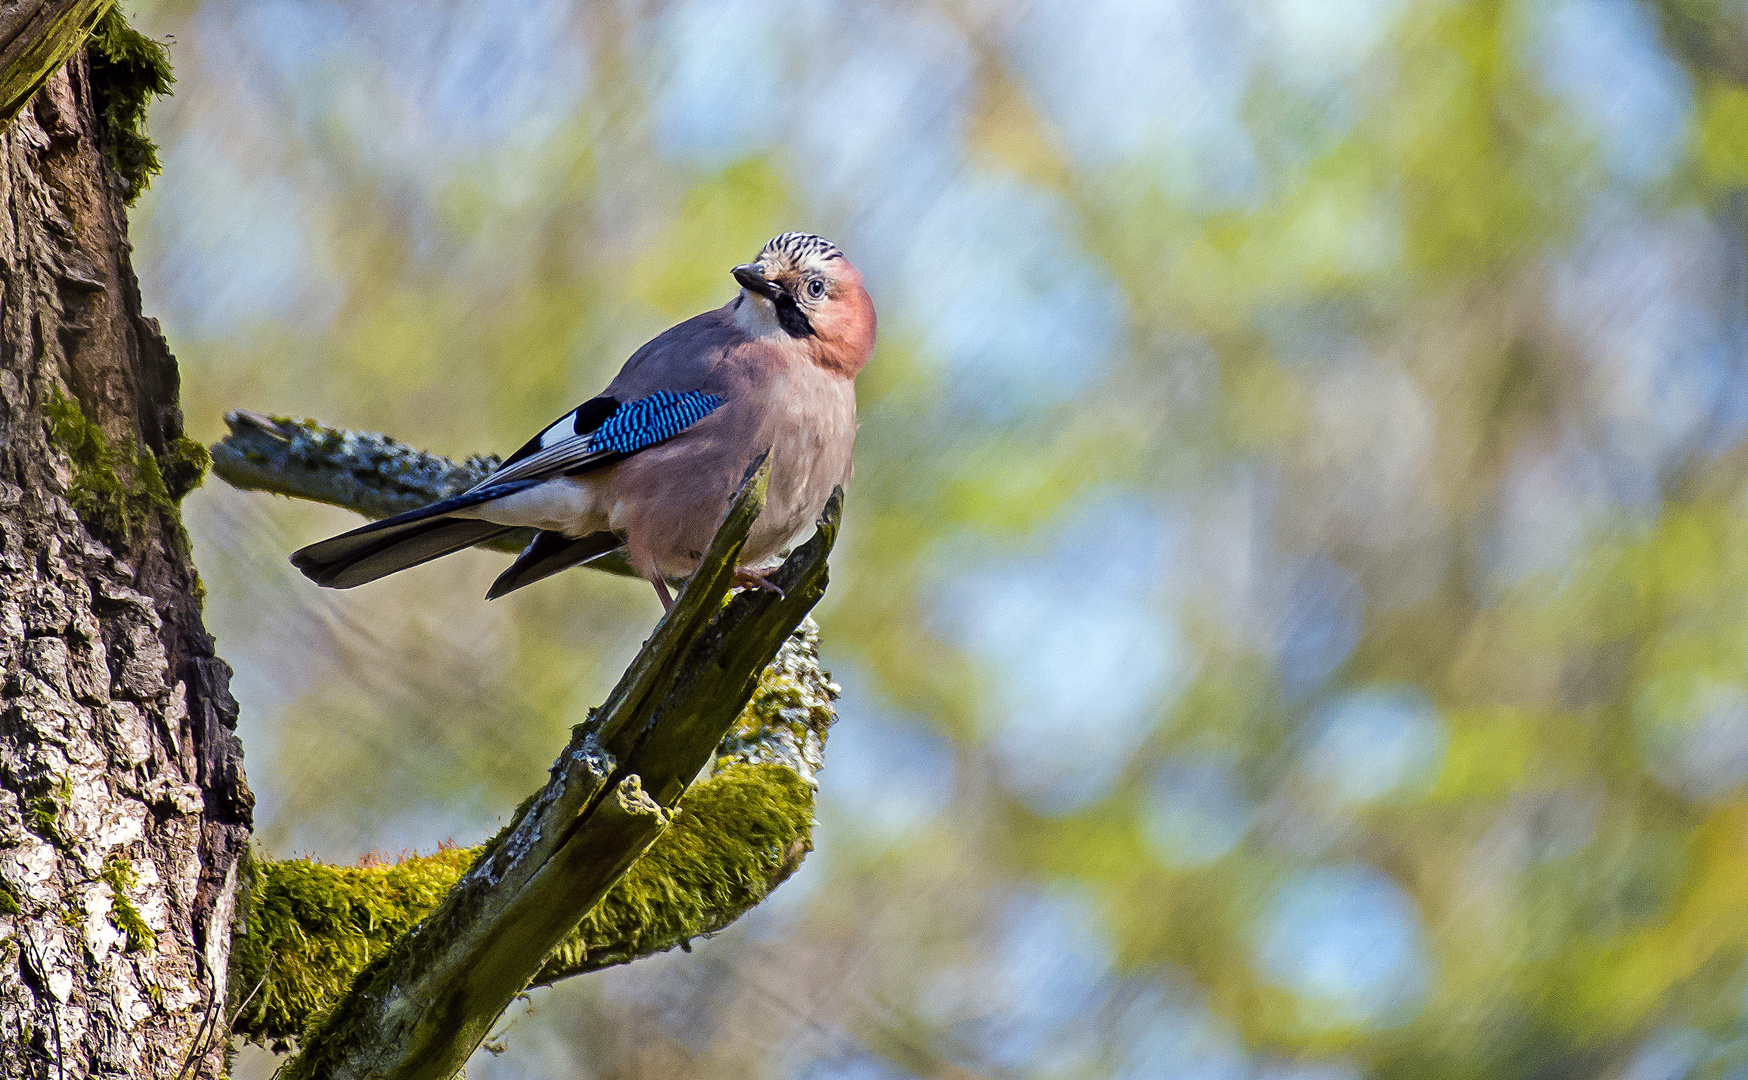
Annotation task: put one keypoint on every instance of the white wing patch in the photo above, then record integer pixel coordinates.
(559, 430)
(628, 428)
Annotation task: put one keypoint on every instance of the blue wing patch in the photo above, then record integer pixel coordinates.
(650, 420)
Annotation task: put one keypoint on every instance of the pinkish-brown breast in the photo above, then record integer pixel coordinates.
(669, 499)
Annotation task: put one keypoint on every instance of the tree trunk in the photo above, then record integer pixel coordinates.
(123, 809)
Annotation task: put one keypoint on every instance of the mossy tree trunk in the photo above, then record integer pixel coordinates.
(123, 809)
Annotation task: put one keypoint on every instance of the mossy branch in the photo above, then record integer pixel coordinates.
(36, 38)
(305, 929)
(610, 861)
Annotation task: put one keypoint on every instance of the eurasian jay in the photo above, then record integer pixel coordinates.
(651, 463)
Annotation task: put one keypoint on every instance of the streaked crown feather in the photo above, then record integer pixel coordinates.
(800, 248)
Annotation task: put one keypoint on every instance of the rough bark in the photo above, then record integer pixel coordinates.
(123, 808)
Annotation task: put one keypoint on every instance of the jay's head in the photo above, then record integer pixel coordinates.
(815, 296)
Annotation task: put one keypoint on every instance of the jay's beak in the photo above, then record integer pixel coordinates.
(752, 278)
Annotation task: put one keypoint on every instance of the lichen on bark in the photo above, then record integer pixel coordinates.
(305, 930)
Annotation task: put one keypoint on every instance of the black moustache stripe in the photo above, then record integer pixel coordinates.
(790, 317)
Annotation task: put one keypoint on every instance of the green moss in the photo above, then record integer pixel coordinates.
(735, 835)
(118, 489)
(42, 815)
(121, 876)
(183, 464)
(8, 902)
(306, 931)
(128, 69)
(319, 926)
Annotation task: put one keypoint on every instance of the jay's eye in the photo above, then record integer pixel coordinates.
(815, 289)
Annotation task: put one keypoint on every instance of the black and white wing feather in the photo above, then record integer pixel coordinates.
(595, 434)
(602, 431)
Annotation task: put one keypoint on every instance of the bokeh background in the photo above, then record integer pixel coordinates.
(1293, 608)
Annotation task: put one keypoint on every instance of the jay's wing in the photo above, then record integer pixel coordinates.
(601, 431)
(595, 434)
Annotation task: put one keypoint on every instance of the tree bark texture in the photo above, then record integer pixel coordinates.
(123, 808)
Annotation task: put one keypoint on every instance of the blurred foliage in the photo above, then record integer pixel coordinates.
(1293, 604)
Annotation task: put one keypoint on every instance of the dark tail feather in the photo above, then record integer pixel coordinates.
(358, 557)
(549, 553)
(395, 543)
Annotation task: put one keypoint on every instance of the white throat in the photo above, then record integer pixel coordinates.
(756, 316)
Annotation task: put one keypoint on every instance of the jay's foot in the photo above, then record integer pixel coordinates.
(753, 579)
(661, 588)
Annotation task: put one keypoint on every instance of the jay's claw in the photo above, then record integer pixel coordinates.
(753, 579)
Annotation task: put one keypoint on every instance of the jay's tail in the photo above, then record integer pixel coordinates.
(408, 539)
(549, 553)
